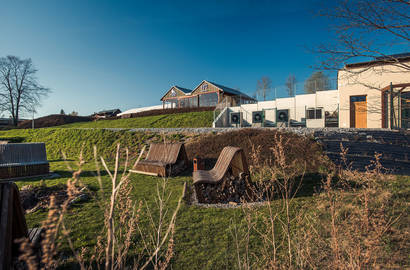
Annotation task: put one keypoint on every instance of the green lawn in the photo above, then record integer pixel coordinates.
(203, 237)
(71, 141)
(183, 120)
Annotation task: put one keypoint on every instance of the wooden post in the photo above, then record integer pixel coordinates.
(391, 106)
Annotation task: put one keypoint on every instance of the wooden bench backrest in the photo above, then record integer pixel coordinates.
(230, 156)
(22, 154)
(12, 222)
(167, 152)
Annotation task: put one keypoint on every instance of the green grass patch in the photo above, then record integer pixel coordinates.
(177, 120)
(71, 141)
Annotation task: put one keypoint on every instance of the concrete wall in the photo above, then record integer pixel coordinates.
(369, 82)
(328, 100)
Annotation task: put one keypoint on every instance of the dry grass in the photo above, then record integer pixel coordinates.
(122, 228)
(347, 226)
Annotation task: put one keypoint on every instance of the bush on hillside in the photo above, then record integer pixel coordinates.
(261, 141)
(53, 120)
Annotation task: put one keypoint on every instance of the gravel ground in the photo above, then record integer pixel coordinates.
(297, 130)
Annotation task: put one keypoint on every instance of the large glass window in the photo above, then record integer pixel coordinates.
(193, 102)
(171, 103)
(183, 103)
(405, 110)
(207, 100)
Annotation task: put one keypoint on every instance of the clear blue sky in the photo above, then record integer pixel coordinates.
(99, 54)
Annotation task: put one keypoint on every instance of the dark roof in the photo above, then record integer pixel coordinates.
(394, 56)
(185, 90)
(110, 111)
(230, 90)
(400, 57)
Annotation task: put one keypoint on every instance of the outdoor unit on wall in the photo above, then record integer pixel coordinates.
(235, 118)
(282, 117)
(257, 117)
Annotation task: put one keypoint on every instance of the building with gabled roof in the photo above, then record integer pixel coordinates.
(206, 94)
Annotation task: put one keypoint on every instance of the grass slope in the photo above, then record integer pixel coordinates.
(204, 236)
(191, 119)
(71, 141)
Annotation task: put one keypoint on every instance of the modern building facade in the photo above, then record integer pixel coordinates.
(206, 94)
(310, 110)
(375, 94)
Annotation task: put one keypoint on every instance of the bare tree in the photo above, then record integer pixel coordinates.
(291, 85)
(366, 28)
(19, 90)
(317, 82)
(264, 87)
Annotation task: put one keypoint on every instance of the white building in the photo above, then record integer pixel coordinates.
(311, 110)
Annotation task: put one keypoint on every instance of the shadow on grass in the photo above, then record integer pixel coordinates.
(60, 160)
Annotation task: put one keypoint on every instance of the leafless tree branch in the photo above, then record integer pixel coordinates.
(19, 90)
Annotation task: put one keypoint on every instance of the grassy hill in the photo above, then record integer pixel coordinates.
(191, 119)
(71, 141)
(214, 238)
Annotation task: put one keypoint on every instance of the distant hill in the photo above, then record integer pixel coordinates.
(53, 120)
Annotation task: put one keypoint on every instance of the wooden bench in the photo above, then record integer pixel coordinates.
(163, 159)
(231, 159)
(23, 159)
(13, 225)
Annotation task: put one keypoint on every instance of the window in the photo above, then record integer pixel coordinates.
(204, 87)
(207, 100)
(314, 114)
(357, 98)
(171, 103)
(193, 102)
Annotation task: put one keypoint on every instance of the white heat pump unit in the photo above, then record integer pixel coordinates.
(257, 117)
(282, 118)
(235, 118)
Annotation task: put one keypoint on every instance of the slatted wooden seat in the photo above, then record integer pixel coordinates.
(163, 159)
(230, 158)
(12, 223)
(23, 159)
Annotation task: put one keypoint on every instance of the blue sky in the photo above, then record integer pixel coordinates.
(97, 55)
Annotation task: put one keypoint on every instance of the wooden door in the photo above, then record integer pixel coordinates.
(360, 114)
(358, 111)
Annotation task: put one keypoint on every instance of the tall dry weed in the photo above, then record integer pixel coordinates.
(117, 243)
(344, 226)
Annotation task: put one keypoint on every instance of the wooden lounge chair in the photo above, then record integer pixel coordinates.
(13, 225)
(231, 159)
(163, 159)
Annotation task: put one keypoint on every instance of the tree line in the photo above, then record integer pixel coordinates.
(318, 81)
